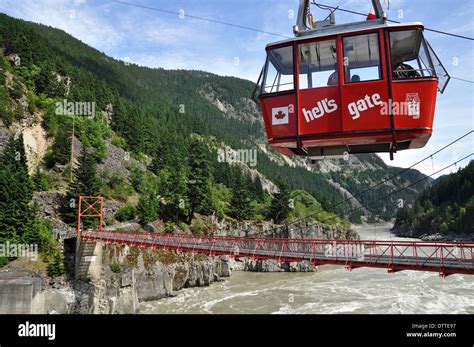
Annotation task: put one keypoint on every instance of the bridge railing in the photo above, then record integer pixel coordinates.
(443, 257)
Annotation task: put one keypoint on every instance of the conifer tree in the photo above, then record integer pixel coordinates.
(280, 208)
(16, 192)
(40, 182)
(147, 208)
(56, 267)
(36, 231)
(173, 190)
(240, 207)
(86, 182)
(199, 180)
(61, 149)
(258, 189)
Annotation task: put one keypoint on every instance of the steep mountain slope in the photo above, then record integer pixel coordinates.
(152, 113)
(447, 207)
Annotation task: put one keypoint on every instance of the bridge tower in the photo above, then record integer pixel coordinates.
(88, 260)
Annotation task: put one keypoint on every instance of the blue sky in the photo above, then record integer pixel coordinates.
(158, 39)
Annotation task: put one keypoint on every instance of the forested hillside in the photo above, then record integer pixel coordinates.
(146, 139)
(170, 125)
(445, 208)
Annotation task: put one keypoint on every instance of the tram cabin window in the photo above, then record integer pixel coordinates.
(361, 58)
(278, 75)
(318, 64)
(409, 55)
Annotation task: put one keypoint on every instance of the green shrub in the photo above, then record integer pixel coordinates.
(47, 244)
(56, 267)
(3, 78)
(198, 227)
(143, 181)
(4, 97)
(50, 121)
(31, 98)
(116, 187)
(41, 180)
(444, 228)
(170, 227)
(91, 133)
(7, 116)
(125, 213)
(304, 204)
(119, 142)
(116, 267)
(3, 261)
(221, 196)
(109, 220)
(17, 91)
(122, 192)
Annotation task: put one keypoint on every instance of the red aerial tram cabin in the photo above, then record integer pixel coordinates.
(362, 87)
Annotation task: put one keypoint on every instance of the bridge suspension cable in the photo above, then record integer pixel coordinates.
(381, 182)
(238, 26)
(406, 187)
(179, 13)
(328, 7)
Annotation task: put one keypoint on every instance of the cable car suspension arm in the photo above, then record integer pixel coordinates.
(302, 26)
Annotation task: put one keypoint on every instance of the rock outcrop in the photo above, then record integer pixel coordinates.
(156, 274)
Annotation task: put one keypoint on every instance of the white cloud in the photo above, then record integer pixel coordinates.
(160, 40)
(84, 23)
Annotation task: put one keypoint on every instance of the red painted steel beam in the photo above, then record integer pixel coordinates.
(393, 255)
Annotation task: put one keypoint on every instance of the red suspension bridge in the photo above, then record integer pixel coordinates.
(446, 258)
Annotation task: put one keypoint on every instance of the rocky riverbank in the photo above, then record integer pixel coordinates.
(439, 237)
(130, 275)
(405, 232)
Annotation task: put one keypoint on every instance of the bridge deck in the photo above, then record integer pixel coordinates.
(443, 257)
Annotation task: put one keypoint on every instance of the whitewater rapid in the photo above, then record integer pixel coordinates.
(329, 290)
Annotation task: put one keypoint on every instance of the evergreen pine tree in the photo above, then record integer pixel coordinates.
(147, 208)
(199, 180)
(259, 193)
(40, 182)
(61, 149)
(279, 208)
(86, 182)
(16, 192)
(240, 207)
(56, 266)
(176, 198)
(36, 232)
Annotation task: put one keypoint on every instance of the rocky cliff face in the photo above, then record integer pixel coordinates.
(156, 273)
(304, 229)
(129, 276)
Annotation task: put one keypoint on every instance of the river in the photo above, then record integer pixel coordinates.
(329, 290)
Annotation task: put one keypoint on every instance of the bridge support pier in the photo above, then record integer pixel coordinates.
(88, 260)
